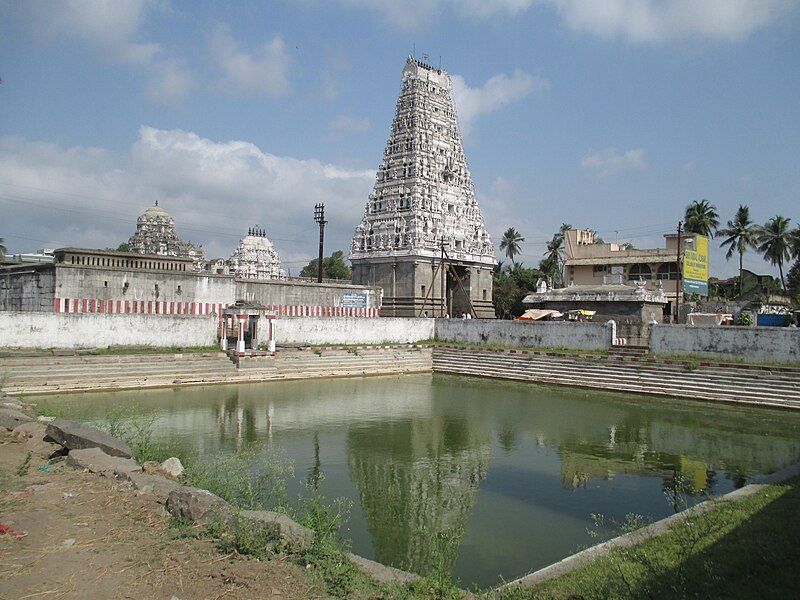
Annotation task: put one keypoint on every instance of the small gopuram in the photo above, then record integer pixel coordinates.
(422, 237)
(256, 258)
(155, 234)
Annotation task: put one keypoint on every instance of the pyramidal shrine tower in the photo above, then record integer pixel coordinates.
(423, 199)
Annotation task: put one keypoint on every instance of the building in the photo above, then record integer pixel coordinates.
(155, 234)
(256, 258)
(423, 206)
(587, 263)
(82, 280)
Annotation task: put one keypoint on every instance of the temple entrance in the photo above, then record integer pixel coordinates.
(458, 297)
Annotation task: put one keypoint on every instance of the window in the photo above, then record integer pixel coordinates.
(105, 284)
(484, 294)
(668, 271)
(637, 272)
(423, 290)
(599, 269)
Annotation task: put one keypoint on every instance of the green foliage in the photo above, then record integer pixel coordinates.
(124, 247)
(701, 217)
(22, 469)
(775, 242)
(792, 282)
(691, 365)
(509, 288)
(510, 243)
(249, 539)
(137, 429)
(333, 267)
(745, 318)
(740, 235)
(252, 478)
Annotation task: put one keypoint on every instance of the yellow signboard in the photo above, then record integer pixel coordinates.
(695, 266)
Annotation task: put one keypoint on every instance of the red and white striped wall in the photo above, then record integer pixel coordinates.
(158, 307)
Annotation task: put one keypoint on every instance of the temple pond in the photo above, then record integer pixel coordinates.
(491, 479)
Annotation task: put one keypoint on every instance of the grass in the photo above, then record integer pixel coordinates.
(724, 361)
(748, 548)
(119, 350)
(557, 350)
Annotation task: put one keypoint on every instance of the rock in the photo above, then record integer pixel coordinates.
(76, 436)
(150, 467)
(199, 506)
(68, 542)
(159, 486)
(380, 572)
(38, 447)
(97, 461)
(30, 429)
(44, 419)
(171, 468)
(10, 418)
(282, 527)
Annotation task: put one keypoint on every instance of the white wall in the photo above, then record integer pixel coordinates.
(347, 330)
(100, 330)
(776, 344)
(536, 334)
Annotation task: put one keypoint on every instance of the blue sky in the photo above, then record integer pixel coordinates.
(611, 115)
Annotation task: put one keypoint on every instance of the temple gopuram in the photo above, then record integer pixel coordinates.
(422, 238)
(155, 234)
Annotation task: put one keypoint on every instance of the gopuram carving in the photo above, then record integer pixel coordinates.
(155, 234)
(423, 198)
(256, 258)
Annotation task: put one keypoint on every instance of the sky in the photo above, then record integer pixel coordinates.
(606, 114)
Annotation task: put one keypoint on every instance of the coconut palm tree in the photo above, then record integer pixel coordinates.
(775, 241)
(740, 234)
(510, 243)
(701, 218)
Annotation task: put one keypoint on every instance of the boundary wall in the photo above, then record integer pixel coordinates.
(99, 330)
(778, 344)
(348, 330)
(547, 334)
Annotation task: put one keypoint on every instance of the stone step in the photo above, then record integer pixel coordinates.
(708, 375)
(643, 382)
(708, 394)
(106, 358)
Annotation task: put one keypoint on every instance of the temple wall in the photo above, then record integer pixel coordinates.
(27, 289)
(348, 330)
(544, 334)
(289, 293)
(775, 344)
(94, 330)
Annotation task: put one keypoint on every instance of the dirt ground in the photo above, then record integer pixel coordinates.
(89, 536)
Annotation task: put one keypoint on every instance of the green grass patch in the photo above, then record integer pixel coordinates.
(118, 350)
(748, 548)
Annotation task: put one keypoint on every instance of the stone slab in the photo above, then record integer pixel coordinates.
(11, 418)
(380, 572)
(77, 436)
(159, 486)
(199, 506)
(97, 461)
(38, 447)
(30, 429)
(284, 528)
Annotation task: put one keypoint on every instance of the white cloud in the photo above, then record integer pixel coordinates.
(498, 91)
(348, 124)
(113, 29)
(608, 162)
(170, 83)
(658, 21)
(214, 190)
(263, 72)
(634, 20)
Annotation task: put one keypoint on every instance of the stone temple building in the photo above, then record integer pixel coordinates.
(155, 234)
(422, 199)
(256, 258)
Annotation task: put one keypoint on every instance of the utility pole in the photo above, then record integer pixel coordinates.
(680, 273)
(319, 217)
(443, 290)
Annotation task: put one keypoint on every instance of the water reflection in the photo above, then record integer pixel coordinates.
(482, 478)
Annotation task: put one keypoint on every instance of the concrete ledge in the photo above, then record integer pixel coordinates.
(640, 535)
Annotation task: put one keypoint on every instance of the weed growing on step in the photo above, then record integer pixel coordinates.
(22, 469)
(691, 365)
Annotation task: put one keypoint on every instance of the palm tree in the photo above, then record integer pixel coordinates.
(740, 234)
(701, 218)
(510, 243)
(774, 242)
(553, 258)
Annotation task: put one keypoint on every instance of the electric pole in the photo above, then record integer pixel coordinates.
(680, 269)
(319, 217)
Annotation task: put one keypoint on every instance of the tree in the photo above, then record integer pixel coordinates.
(510, 243)
(552, 263)
(701, 218)
(793, 281)
(774, 242)
(333, 267)
(124, 247)
(509, 288)
(740, 234)
(2, 249)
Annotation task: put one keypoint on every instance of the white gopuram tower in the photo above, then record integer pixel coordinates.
(423, 199)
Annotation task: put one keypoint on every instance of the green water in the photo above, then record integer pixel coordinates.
(490, 479)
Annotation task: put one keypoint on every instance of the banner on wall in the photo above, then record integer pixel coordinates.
(695, 266)
(354, 300)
